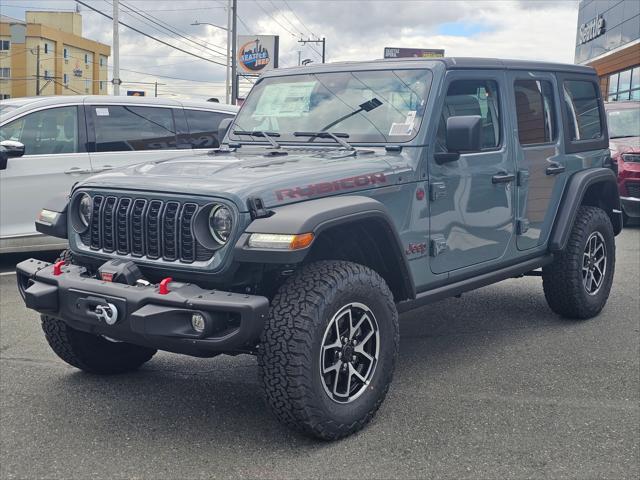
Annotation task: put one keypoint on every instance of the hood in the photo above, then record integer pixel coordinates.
(276, 178)
(626, 144)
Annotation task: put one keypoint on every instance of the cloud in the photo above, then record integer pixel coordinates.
(355, 30)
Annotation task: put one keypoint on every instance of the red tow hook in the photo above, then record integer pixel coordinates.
(57, 267)
(164, 286)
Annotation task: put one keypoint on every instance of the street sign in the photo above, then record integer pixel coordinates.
(135, 93)
(257, 53)
(391, 52)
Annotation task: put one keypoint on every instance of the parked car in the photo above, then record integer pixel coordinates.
(624, 134)
(343, 194)
(66, 139)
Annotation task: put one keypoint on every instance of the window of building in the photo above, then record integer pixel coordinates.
(65, 54)
(120, 128)
(203, 128)
(5, 72)
(87, 86)
(4, 96)
(46, 48)
(535, 112)
(102, 61)
(65, 79)
(46, 75)
(5, 45)
(472, 97)
(583, 111)
(624, 85)
(45, 132)
(86, 59)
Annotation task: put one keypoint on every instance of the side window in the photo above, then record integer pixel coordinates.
(535, 112)
(583, 111)
(472, 97)
(121, 128)
(45, 132)
(203, 128)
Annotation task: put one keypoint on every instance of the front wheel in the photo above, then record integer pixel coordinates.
(329, 348)
(577, 283)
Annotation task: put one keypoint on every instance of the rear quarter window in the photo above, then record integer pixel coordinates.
(583, 110)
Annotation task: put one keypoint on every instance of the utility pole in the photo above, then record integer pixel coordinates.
(322, 40)
(234, 54)
(116, 50)
(37, 69)
(156, 89)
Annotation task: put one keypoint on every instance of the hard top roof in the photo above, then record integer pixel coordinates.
(450, 63)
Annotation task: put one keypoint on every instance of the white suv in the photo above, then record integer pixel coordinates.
(65, 139)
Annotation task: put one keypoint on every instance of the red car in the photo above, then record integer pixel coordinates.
(623, 119)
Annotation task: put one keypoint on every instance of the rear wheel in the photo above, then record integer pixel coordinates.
(328, 350)
(93, 353)
(578, 282)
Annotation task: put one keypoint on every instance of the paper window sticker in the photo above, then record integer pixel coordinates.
(102, 112)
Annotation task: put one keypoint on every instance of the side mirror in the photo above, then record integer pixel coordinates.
(12, 148)
(223, 126)
(464, 134)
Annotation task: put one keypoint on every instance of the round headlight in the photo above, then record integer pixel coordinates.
(84, 209)
(220, 223)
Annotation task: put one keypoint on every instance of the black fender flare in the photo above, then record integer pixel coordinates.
(574, 196)
(315, 216)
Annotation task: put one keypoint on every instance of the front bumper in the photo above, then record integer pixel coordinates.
(631, 206)
(233, 321)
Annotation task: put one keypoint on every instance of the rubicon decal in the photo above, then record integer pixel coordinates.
(349, 183)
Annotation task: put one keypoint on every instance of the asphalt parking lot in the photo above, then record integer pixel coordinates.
(492, 385)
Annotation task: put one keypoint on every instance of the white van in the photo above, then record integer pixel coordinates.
(67, 138)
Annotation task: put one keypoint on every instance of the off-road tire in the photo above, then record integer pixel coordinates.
(92, 353)
(289, 359)
(562, 279)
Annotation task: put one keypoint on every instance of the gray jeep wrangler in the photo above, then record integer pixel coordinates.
(342, 195)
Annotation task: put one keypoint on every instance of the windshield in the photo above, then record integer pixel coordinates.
(366, 106)
(624, 122)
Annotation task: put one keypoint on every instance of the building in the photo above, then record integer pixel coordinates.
(608, 39)
(47, 55)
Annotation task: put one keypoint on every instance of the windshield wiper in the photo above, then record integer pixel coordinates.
(259, 133)
(364, 107)
(338, 137)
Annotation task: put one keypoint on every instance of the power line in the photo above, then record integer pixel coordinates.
(174, 30)
(151, 36)
(275, 19)
(298, 18)
(284, 17)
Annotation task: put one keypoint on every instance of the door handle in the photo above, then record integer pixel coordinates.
(503, 177)
(76, 170)
(555, 169)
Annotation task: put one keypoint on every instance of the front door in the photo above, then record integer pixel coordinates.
(55, 158)
(472, 199)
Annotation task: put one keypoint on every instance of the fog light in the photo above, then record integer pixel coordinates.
(197, 322)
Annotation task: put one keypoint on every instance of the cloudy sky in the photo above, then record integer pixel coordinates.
(355, 30)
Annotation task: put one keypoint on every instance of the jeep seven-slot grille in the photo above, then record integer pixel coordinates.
(154, 229)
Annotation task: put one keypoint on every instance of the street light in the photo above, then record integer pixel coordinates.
(228, 79)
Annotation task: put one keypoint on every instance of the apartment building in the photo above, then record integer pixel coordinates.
(47, 55)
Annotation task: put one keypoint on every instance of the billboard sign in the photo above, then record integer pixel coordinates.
(257, 53)
(391, 52)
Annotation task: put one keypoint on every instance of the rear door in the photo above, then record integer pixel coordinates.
(471, 207)
(538, 148)
(55, 158)
(123, 135)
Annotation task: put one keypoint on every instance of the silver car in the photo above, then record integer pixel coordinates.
(52, 142)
